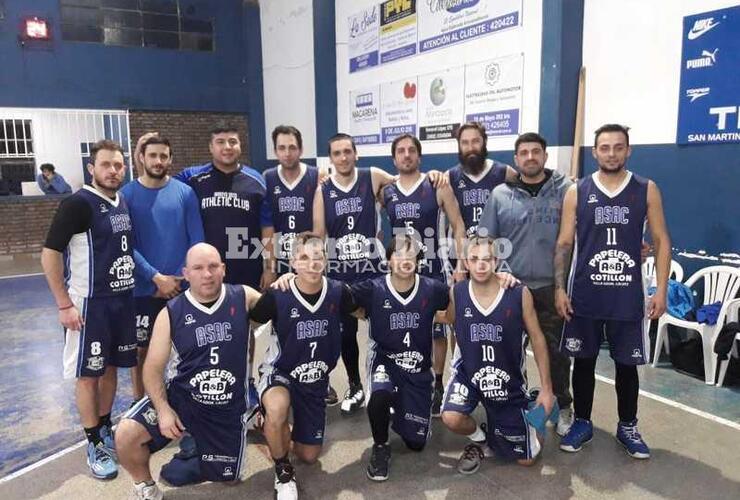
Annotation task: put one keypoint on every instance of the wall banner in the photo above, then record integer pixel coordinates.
(709, 99)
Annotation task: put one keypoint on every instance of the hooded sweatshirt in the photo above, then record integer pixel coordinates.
(530, 223)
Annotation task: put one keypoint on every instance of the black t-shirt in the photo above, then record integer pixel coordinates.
(73, 216)
(208, 304)
(266, 307)
(406, 293)
(534, 189)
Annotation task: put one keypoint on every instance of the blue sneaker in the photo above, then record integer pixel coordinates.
(106, 434)
(253, 406)
(102, 465)
(253, 398)
(628, 436)
(580, 433)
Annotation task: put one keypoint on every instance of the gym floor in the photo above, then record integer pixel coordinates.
(693, 431)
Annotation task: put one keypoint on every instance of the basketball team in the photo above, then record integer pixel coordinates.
(171, 275)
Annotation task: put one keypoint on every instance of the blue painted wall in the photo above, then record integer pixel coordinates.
(86, 75)
(251, 66)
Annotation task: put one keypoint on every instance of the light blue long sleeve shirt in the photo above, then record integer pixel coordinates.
(57, 185)
(166, 223)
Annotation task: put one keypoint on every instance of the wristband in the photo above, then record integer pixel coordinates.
(66, 307)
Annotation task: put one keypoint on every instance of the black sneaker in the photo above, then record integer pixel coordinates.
(437, 401)
(354, 399)
(331, 398)
(380, 458)
(285, 484)
(470, 460)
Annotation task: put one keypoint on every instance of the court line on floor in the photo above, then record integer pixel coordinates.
(600, 378)
(670, 402)
(21, 276)
(681, 406)
(43, 461)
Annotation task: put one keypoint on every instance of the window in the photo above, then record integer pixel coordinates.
(17, 162)
(15, 139)
(137, 23)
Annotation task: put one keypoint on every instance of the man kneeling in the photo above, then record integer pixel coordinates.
(304, 348)
(207, 330)
(489, 365)
(401, 307)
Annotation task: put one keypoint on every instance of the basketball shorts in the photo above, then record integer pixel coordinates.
(412, 398)
(306, 400)
(147, 309)
(220, 436)
(628, 340)
(107, 336)
(507, 433)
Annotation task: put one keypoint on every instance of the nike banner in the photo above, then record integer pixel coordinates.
(709, 99)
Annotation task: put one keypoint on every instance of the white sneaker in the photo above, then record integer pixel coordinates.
(142, 491)
(565, 420)
(354, 399)
(487, 451)
(285, 485)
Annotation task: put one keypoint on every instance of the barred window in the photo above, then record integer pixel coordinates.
(15, 139)
(164, 24)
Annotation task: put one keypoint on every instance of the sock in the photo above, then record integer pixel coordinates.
(627, 385)
(478, 436)
(583, 386)
(146, 483)
(378, 412)
(93, 434)
(350, 349)
(105, 421)
(437, 380)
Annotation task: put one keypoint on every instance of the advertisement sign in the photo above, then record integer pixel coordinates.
(440, 97)
(447, 22)
(709, 99)
(364, 122)
(398, 109)
(397, 30)
(493, 94)
(362, 44)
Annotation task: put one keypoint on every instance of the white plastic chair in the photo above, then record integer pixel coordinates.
(733, 308)
(721, 284)
(648, 280)
(648, 271)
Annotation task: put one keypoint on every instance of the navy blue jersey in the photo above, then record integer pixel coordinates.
(352, 226)
(490, 343)
(209, 349)
(401, 328)
(307, 339)
(472, 193)
(100, 261)
(291, 204)
(233, 211)
(417, 212)
(606, 274)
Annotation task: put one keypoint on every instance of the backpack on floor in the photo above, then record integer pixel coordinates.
(686, 351)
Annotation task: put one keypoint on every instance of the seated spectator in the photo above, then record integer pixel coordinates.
(51, 182)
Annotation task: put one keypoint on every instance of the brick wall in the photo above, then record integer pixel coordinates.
(24, 222)
(188, 133)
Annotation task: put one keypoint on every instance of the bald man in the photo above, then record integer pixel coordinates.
(207, 330)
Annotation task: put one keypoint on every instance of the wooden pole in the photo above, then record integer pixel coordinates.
(578, 133)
